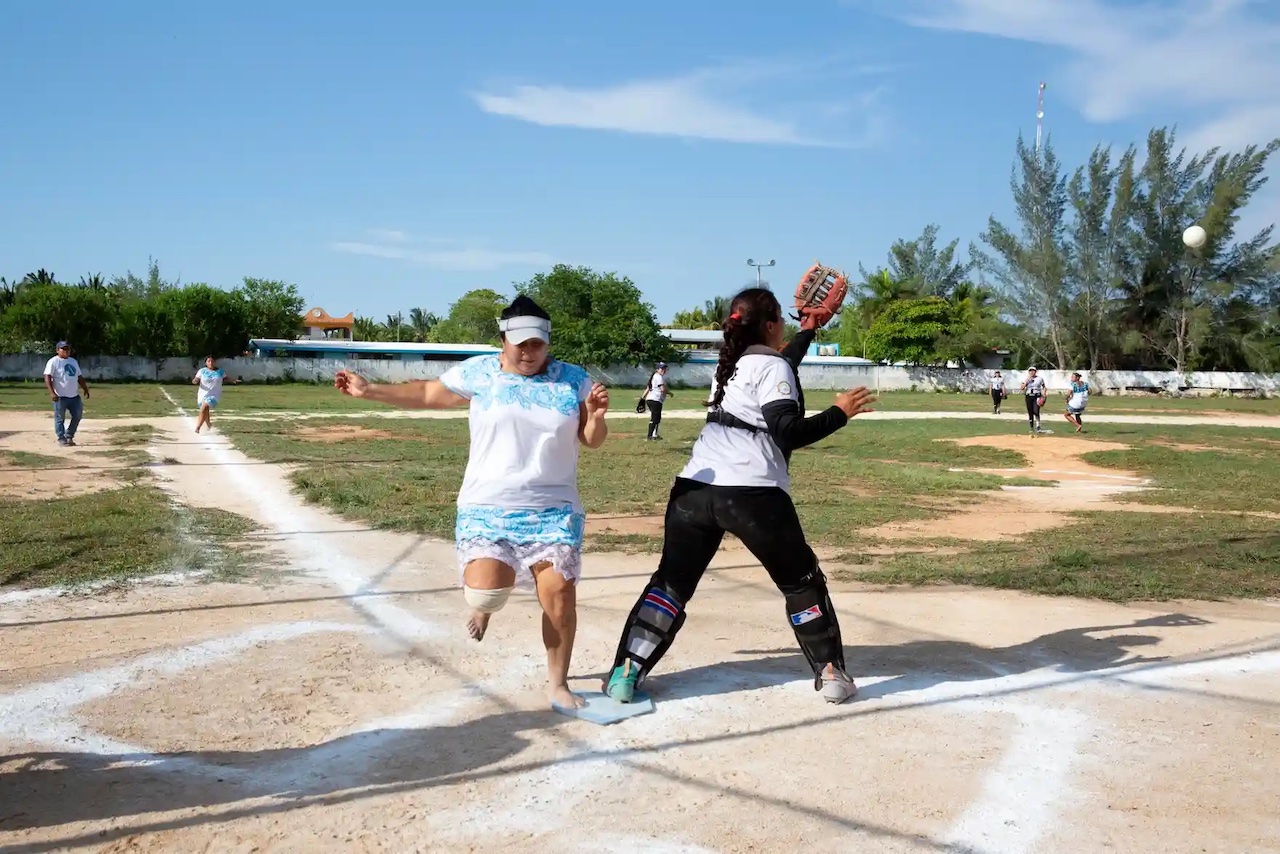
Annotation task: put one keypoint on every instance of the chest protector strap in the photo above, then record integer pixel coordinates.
(725, 419)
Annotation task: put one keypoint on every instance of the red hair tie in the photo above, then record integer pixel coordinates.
(735, 316)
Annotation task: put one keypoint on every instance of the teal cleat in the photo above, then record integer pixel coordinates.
(622, 683)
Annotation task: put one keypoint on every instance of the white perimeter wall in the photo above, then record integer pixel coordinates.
(695, 374)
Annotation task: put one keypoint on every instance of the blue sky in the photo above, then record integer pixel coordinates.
(386, 155)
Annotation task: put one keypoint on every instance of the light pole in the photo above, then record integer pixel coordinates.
(752, 262)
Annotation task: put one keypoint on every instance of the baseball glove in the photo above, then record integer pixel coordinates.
(819, 295)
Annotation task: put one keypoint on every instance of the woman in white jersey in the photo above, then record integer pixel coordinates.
(654, 397)
(737, 482)
(210, 379)
(997, 393)
(520, 522)
(1033, 388)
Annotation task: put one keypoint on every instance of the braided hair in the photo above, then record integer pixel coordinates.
(749, 312)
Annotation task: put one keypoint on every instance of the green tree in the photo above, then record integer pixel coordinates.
(1100, 241)
(41, 314)
(921, 267)
(976, 327)
(421, 322)
(367, 329)
(910, 331)
(40, 277)
(207, 321)
(598, 318)
(272, 309)
(710, 315)
(1172, 291)
(145, 328)
(1030, 265)
(473, 319)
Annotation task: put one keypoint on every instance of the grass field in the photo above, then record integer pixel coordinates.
(116, 533)
(1208, 527)
(148, 399)
(404, 475)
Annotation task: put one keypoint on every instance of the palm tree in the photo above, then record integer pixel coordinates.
(8, 293)
(880, 290)
(94, 281)
(395, 325)
(40, 277)
(367, 329)
(421, 322)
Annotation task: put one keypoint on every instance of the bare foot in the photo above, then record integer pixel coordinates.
(197, 428)
(477, 623)
(561, 696)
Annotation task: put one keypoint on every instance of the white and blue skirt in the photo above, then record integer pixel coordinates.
(522, 538)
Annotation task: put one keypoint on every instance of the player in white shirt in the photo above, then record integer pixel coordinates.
(1033, 388)
(997, 393)
(210, 379)
(520, 522)
(64, 381)
(736, 482)
(655, 395)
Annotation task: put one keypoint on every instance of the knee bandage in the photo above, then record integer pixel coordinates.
(813, 619)
(487, 601)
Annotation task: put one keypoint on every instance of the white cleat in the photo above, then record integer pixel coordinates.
(837, 686)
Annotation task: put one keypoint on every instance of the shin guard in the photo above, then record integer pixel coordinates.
(813, 618)
(650, 629)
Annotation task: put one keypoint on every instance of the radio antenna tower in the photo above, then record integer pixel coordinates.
(1039, 116)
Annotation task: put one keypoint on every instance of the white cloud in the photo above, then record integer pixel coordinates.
(462, 258)
(707, 104)
(390, 235)
(1221, 57)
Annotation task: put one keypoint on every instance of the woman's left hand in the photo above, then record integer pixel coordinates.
(597, 401)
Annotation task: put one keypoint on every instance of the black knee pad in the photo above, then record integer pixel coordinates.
(651, 627)
(813, 619)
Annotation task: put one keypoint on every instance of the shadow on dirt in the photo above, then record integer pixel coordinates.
(921, 664)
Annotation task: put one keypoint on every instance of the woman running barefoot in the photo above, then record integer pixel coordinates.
(737, 482)
(1077, 402)
(210, 379)
(520, 522)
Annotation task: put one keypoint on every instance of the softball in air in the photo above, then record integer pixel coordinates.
(1194, 237)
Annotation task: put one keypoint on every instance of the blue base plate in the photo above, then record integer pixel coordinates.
(602, 710)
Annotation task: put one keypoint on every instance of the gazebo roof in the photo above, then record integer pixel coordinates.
(318, 318)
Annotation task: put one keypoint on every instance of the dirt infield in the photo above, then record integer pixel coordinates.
(344, 708)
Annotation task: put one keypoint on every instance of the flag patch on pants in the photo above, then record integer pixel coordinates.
(808, 615)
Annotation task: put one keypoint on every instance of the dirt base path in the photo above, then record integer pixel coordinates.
(344, 708)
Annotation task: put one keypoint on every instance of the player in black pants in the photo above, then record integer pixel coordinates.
(737, 482)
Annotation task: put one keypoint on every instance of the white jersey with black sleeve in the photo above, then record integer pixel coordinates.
(762, 394)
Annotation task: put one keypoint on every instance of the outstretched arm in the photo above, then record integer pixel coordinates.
(420, 394)
(792, 430)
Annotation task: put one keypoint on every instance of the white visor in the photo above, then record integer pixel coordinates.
(520, 329)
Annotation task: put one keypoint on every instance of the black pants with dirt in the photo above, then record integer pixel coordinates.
(1033, 410)
(655, 417)
(765, 520)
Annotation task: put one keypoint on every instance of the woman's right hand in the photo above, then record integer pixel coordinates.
(350, 383)
(855, 401)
